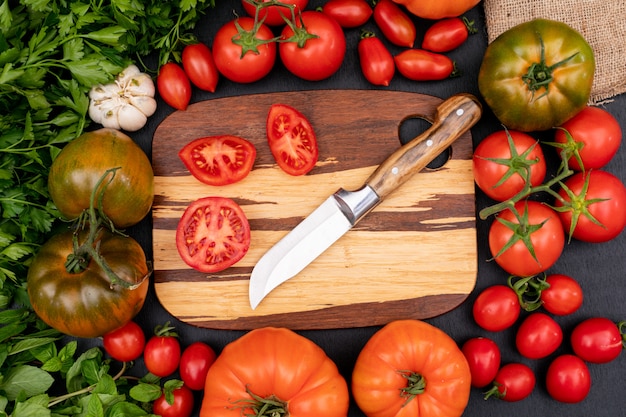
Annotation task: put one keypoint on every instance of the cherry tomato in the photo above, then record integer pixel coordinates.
(126, 343)
(174, 86)
(219, 160)
(195, 362)
(598, 340)
(421, 65)
(563, 296)
(496, 308)
(568, 379)
(181, 406)
(273, 15)
(317, 48)
(394, 23)
(596, 136)
(376, 61)
(242, 52)
(291, 139)
(200, 67)
(513, 382)
(212, 234)
(162, 352)
(348, 13)
(483, 357)
(504, 161)
(511, 240)
(538, 336)
(447, 34)
(597, 200)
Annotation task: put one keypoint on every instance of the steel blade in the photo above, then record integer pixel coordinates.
(298, 248)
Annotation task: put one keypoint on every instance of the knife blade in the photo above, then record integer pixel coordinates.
(342, 210)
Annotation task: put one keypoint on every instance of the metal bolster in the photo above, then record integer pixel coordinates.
(356, 204)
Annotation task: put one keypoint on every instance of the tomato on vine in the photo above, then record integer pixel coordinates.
(562, 296)
(273, 14)
(527, 240)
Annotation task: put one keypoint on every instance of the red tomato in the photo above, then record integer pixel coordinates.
(219, 160)
(568, 379)
(273, 15)
(538, 336)
(511, 240)
(598, 340)
(195, 362)
(348, 13)
(317, 48)
(595, 201)
(421, 65)
(242, 52)
(181, 406)
(126, 343)
(200, 67)
(496, 308)
(394, 23)
(563, 296)
(174, 86)
(483, 357)
(376, 61)
(596, 138)
(513, 382)
(162, 354)
(504, 161)
(213, 234)
(291, 139)
(447, 34)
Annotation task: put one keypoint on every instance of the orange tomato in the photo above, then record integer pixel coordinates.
(274, 365)
(437, 9)
(411, 368)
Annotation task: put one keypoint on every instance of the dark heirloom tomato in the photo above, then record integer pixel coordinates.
(85, 304)
(212, 234)
(219, 160)
(81, 164)
(537, 75)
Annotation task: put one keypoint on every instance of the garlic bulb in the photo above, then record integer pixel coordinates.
(125, 103)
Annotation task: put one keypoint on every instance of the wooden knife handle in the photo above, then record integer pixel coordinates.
(453, 118)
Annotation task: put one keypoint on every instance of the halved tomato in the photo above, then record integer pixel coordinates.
(213, 234)
(291, 139)
(219, 160)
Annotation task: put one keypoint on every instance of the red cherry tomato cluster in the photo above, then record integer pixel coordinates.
(163, 357)
(497, 308)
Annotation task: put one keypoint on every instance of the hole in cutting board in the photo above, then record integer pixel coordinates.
(415, 126)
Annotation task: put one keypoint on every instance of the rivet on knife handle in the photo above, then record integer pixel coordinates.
(454, 117)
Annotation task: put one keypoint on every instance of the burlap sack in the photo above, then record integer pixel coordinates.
(601, 22)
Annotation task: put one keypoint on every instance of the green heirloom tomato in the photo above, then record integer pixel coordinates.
(537, 75)
(80, 165)
(85, 303)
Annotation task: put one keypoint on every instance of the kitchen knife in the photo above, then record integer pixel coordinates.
(342, 210)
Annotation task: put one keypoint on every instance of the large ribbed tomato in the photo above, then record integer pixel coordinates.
(82, 163)
(411, 368)
(86, 304)
(437, 9)
(537, 75)
(277, 367)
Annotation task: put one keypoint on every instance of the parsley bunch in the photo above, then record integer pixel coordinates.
(51, 53)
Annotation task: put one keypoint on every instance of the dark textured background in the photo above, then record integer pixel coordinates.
(598, 267)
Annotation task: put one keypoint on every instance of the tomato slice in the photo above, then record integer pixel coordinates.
(291, 139)
(213, 234)
(219, 160)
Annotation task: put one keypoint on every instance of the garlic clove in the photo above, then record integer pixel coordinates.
(130, 118)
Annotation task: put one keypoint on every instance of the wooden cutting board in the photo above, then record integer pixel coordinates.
(414, 256)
